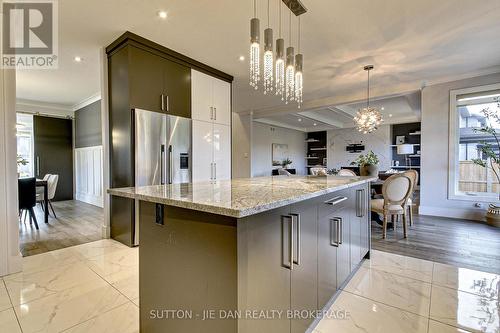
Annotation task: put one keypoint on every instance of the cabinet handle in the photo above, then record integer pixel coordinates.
(215, 170)
(162, 102)
(211, 171)
(287, 260)
(211, 113)
(363, 201)
(335, 200)
(358, 203)
(334, 232)
(340, 230)
(215, 113)
(296, 221)
(168, 103)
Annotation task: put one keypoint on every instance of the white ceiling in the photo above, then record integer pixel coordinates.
(409, 42)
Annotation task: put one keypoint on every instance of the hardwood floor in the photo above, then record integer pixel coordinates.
(77, 223)
(462, 243)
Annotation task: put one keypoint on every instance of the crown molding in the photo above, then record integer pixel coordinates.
(87, 101)
(45, 108)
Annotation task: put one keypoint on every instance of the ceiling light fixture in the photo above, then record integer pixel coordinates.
(242, 58)
(254, 48)
(78, 59)
(369, 118)
(268, 56)
(315, 124)
(283, 72)
(162, 14)
(299, 119)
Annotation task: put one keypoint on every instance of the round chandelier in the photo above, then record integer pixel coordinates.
(368, 118)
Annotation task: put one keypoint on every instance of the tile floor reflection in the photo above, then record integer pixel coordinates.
(94, 287)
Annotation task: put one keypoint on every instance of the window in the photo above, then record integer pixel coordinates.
(24, 135)
(469, 181)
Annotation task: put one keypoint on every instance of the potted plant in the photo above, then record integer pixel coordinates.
(368, 164)
(20, 161)
(286, 162)
(492, 159)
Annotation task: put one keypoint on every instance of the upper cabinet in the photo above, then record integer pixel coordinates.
(158, 84)
(211, 98)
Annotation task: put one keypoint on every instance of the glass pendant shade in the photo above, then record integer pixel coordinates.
(290, 75)
(268, 61)
(280, 68)
(255, 53)
(299, 84)
(368, 118)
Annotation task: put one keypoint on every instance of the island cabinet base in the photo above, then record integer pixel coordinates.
(269, 272)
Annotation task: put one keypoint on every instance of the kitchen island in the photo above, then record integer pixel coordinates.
(247, 255)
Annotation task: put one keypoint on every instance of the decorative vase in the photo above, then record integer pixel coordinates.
(369, 170)
(493, 215)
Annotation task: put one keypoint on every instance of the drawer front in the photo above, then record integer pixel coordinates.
(329, 203)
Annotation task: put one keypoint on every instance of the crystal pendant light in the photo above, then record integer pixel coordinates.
(280, 61)
(255, 49)
(268, 56)
(368, 119)
(299, 62)
(290, 69)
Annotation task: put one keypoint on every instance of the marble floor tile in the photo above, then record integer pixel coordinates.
(47, 260)
(364, 315)
(401, 265)
(26, 287)
(100, 247)
(126, 281)
(464, 310)
(4, 297)
(114, 262)
(68, 308)
(476, 282)
(8, 322)
(437, 327)
(391, 289)
(123, 319)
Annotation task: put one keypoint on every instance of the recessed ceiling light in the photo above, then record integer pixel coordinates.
(162, 14)
(242, 58)
(78, 59)
(315, 124)
(300, 119)
(390, 115)
(382, 108)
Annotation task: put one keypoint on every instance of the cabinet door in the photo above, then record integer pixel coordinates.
(202, 151)
(355, 225)
(344, 249)
(202, 96)
(264, 242)
(177, 89)
(304, 294)
(146, 80)
(328, 239)
(222, 101)
(222, 151)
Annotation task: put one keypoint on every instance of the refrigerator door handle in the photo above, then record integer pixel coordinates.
(162, 167)
(170, 165)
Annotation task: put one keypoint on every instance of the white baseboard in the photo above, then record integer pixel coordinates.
(105, 231)
(459, 213)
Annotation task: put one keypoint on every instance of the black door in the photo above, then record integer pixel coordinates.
(53, 141)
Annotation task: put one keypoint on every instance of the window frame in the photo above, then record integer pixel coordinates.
(454, 147)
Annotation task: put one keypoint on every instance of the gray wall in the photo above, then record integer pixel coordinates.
(263, 136)
(242, 146)
(435, 138)
(88, 131)
(379, 142)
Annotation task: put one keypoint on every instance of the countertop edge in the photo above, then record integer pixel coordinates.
(235, 213)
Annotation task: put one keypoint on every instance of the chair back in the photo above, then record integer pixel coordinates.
(413, 175)
(47, 176)
(318, 171)
(346, 172)
(52, 186)
(27, 192)
(283, 172)
(396, 189)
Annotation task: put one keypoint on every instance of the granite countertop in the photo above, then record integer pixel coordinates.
(241, 197)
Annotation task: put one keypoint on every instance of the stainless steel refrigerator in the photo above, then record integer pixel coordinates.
(162, 152)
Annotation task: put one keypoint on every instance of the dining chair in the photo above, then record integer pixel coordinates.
(283, 172)
(27, 198)
(39, 190)
(396, 190)
(413, 175)
(51, 189)
(346, 173)
(318, 171)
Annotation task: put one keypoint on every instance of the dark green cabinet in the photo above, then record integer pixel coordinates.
(158, 84)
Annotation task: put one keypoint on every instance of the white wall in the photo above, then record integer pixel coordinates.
(379, 142)
(434, 171)
(263, 136)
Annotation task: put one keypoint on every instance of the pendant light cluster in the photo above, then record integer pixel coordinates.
(368, 119)
(282, 72)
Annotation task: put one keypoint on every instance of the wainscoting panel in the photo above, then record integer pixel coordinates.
(88, 164)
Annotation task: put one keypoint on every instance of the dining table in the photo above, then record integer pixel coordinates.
(45, 185)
